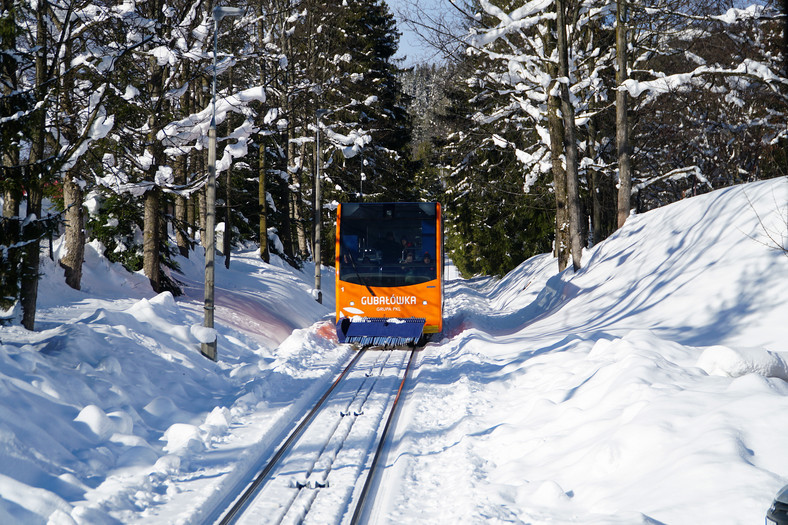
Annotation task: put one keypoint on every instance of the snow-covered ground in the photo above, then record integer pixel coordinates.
(649, 387)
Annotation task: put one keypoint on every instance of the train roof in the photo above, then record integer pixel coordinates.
(389, 210)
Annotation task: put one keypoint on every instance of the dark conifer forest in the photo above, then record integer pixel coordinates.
(534, 139)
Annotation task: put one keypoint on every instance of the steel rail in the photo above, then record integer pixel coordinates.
(381, 444)
(241, 502)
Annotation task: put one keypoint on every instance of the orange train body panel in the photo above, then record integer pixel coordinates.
(399, 302)
(369, 283)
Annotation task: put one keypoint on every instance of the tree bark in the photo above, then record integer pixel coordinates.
(570, 142)
(261, 166)
(181, 206)
(31, 257)
(73, 196)
(595, 183)
(12, 176)
(301, 229)
(152, 215)
(227, 238)
(556, 128)
(286, 235)
(622, 124)
(294, 170)
(228, 229)
(10, 235)
(261, 201)
(182, 239)
(150, 238)
(228, 225)
(298, 221)
(201, 167)
(71, 262)
(31, 254)
(202, 210)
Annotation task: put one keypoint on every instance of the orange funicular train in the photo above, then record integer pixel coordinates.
(389, 262)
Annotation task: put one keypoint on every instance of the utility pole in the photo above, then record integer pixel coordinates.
(318, 215)
(209, 349)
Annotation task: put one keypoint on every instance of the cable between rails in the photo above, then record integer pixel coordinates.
(379, 452)
(249, 492)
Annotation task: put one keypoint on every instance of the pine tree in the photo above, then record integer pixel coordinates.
(492, 222)
(370, 126)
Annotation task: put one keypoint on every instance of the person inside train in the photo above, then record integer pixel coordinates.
(407, 248)
(409, 268)
(428, 268)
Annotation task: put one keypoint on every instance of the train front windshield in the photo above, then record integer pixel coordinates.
(384, 245)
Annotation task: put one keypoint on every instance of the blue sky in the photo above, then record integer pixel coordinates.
(409, 45)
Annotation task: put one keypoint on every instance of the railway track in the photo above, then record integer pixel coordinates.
(323, 472)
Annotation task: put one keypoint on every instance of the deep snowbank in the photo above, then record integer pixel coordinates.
(646, 388)
(110, 399)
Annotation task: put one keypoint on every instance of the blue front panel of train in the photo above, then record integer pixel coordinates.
(380, 331)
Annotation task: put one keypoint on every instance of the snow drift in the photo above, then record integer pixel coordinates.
(646, 388)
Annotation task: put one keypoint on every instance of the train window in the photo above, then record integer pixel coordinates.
(392, 249)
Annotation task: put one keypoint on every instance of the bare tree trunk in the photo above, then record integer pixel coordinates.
(301, 228)
(182, 239)
(286, 235)
(166, 211)
(9, 85)
(150, 241)
(152, 228)
(201, 166)
(11, 201)
(295, 196)
(192, 206)
(261, 201)
(559, 182)
(622, 124)
(198, 200)
(228, 226)
(596, 190)
(31, 258)
(73, 196)
(10, 235)
(181, 205)
(191, 216)
(12, 191)
(298, 221)
(31, 253)
(570, 142)
(291, 198)
(261, 167)
(75, 232)
(227, 238)
(203, 210)
(556, 129)
(599, 230)
(292, 215)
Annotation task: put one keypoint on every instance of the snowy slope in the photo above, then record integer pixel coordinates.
(646, 388)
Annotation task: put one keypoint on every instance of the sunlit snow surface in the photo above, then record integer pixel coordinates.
(649, 387)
